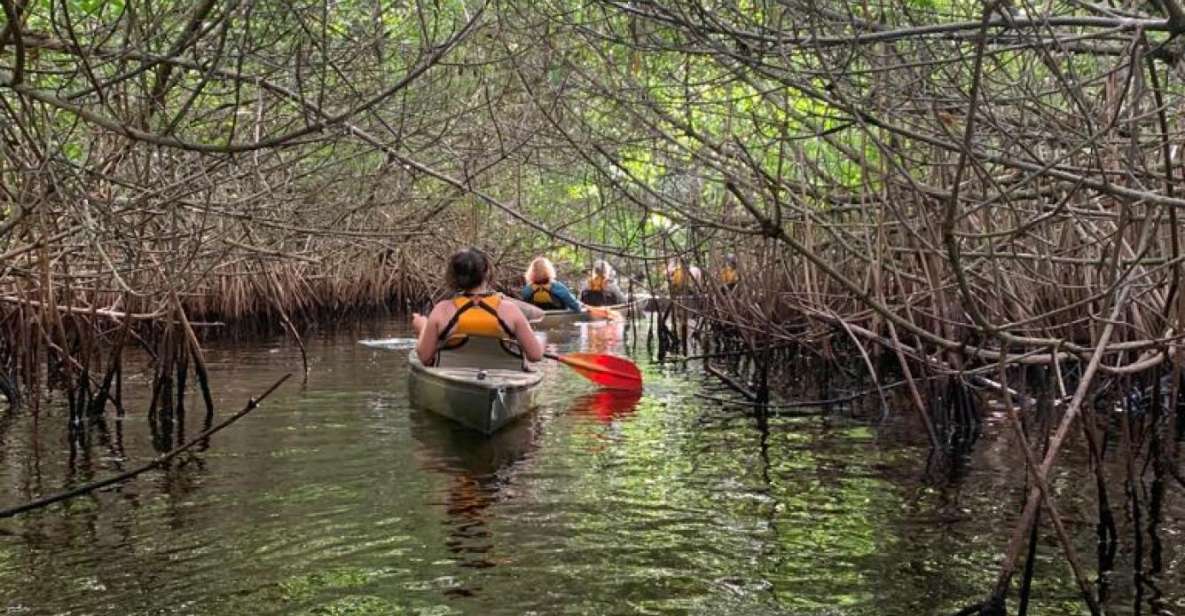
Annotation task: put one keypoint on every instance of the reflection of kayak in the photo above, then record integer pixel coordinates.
(447, 447)
(479, 385)
(476, 468)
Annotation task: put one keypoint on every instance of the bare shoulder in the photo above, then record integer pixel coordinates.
(442, 311)
(508, 308)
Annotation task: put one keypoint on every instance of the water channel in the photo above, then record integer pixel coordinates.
(335, 497)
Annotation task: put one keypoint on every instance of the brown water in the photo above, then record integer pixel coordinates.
(337, 498)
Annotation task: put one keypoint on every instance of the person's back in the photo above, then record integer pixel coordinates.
(682, 277)
(542, 296)
(473, 311)
(729, 276)
(593, 291)
(544, 291)
(600, 289)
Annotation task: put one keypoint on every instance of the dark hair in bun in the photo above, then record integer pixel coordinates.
(467, 269)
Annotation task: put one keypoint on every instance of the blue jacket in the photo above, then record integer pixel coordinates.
(559, 293)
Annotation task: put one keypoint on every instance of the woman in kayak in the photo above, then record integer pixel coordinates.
(601, 289)
(729, 277)
(544, 291)
(475, 310)
(682, 277)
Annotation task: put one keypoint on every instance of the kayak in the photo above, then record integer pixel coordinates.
(662, 304)
(561, 318)
(478, 385)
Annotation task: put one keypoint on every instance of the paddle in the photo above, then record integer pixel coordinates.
(391, 344)
(605, 370)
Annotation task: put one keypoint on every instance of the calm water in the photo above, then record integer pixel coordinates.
(337, 498)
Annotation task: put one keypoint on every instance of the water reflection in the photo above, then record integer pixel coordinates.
(340, 499)
(478, 468)
(606, 405)
(601, 336)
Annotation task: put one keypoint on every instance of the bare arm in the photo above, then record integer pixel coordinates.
(428, 333)
(531, 346)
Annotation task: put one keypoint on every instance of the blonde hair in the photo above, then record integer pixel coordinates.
(541, 271)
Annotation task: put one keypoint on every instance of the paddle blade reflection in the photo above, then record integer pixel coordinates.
(606, 405)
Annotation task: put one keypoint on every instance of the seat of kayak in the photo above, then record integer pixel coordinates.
(505, 378)
(478, 352)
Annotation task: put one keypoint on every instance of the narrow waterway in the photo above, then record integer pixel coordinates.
(337, 498)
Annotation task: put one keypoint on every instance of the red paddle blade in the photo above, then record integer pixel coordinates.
(605, 370)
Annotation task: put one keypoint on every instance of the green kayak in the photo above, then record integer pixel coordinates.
(478, 385)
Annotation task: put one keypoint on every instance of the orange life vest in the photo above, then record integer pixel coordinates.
(477, 315)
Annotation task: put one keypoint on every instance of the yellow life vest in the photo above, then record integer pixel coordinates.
(477, 315)
(596, 283)
(541, 296)
(729, 275)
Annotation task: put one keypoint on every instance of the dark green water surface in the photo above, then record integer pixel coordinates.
(337, 498)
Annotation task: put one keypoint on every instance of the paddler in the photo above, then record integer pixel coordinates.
(474, 310)
(681, 276)
(544, 291)
(600, 289)
(729, 276)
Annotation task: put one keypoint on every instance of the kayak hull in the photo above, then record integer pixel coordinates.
(663, 304)
(561, 318)
(482, 399)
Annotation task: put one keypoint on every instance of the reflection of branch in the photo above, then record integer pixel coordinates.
(1029, 514)
(252, 404)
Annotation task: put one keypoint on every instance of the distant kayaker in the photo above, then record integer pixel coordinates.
(475, 310)
(600, 289)
(682, 277)
(544, 291)
(729, 276)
